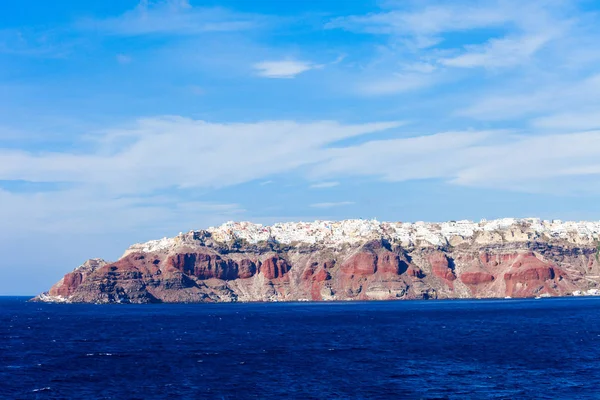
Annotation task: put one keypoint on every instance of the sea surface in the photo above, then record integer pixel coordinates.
(481, 349)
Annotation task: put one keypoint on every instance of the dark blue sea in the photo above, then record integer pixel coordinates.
(502, 349)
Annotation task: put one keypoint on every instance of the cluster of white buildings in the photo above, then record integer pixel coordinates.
(589, 292)
(357, 230)
(304, 232)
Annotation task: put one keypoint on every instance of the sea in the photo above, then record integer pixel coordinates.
(455, 349)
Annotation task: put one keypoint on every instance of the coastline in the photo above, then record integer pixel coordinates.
(343, 301)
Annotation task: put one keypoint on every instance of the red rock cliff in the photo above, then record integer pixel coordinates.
(200, 269)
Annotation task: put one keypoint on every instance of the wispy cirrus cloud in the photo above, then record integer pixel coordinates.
(173, 17)
(498, 53)
(283, 69)
(324, 185)
(561, 163)
(564, 164)
(556, 96)
(588, 118)
(30, 42)
(396, 83)
(122, 164)
(430, 20)
(447, 36)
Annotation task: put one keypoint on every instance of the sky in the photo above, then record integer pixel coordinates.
(123, 121)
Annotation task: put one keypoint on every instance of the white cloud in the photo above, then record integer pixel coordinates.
(168, 152)
(524, 100)
(577, 120)
(324, 185)
(508, 106)
(547, 164)
(426, 42)
(505, 52)
(332, 204)
(420, 67)
(488, 159)
(396, 83)
(429, 20)
(424, 24)
(283, 69)
(173, 17)
(420, 157)
(161, 153)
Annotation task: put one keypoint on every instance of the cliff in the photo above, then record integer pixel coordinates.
(347, 260)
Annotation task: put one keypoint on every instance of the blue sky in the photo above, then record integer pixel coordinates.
(124, 121)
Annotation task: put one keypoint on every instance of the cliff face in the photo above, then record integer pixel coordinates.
(348, 260)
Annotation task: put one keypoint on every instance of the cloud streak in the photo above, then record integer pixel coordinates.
(580, 120)
(497, 53)
(157, 150)
(427, 21)
(444, 37)
(517, 103)
(396, 83)
(283, 69)
(172, 17)
(484, 159)
(324, 185)
(332, 204)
